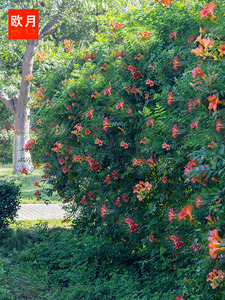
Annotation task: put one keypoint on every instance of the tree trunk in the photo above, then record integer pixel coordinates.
(21, 158)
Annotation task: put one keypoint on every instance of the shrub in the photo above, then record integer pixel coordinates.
(9, 204)
(130, 136)
(85, 267)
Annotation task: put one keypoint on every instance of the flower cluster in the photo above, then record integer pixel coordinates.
(125, 198)
(150, 122)
(98, 142)
(180, 297)
(29, 144)
(116, 26)
(40, 93)
(103, 67)
(104, 211)
(94, 95)
(178, 244)
(221, 50)
(77, 158)
(28, 77)
(150, 162)
(93, 165)
(24, 171)
(135, 73)
(133, 227)
(215, 277)
(165, 3)
(176, 63)
(195, 246)
(149, 82)
(37, 193)
(58, 147)
(208, 11)
(192, 163)
(114, 175)
(151, 239)
(175, 131)
(214, 245)
(67, 45)
(171, 215)
(219, 125)
(78, 129)
(108, 91)
(186, 213)
(194, 125)
(134, 90)
(198, 72)
(16, 132)
(84, 198)
(192, 103)
(170, 98)
(90, 56)
(120, 105)
(142, 188)
(209, 218)
(203, 52)
(124, 145)
(173, 35)
(199, 201)
(117, 202)
(40, 56)
(120, 54)
(138, 56)
(90, 113)
(166, 146)
(145, 35)
(213, 101)
(106, 124)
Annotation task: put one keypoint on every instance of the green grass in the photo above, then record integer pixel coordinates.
(27, 181)
(32, 223)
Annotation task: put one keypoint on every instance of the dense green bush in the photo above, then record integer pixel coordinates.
(67, 266)
(9, 204)
(134, 133)
(6, 146)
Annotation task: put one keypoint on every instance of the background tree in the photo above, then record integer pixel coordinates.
(17, 104)
(78, 21)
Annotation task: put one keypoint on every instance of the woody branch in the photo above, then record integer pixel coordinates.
(10, 103)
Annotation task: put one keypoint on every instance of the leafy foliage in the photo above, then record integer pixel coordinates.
(131, 129)
(9, 195)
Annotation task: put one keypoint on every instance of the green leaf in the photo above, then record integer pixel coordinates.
(221, 149)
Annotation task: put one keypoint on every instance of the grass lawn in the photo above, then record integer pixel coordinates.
(50, 223)
(27, 181)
